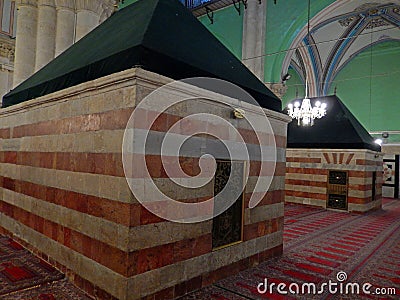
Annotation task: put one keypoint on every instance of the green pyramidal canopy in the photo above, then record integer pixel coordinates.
(339, 129)
(160, 36)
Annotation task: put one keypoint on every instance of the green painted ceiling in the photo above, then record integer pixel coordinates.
(374, 100)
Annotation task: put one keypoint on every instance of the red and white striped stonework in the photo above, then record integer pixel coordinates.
(307, 176)
(65, 196)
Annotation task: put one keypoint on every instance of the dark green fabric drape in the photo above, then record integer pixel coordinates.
(161, 36)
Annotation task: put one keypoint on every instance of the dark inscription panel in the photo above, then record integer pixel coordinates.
(337, 201)
(373, 186)
(337, 177)
(227, 227)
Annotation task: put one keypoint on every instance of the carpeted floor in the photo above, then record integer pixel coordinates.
(24, 276)
(318, 244)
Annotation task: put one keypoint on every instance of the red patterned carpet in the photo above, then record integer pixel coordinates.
(25, 276)
(58, 290)
(318, 244)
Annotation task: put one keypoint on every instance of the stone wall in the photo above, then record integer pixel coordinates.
(307, 176)
(392, 149)
(64, 195)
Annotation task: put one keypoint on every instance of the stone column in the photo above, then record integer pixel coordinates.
(25, 44)
(65, 32)
(254, 33)
(5, 78)
(4, 72)
(46, 33)
(87, 16)
(7, 51)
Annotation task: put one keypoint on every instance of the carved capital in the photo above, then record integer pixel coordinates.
(278, 89)
(6, 68)
(7, 50)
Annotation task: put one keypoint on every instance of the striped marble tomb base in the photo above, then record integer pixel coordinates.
(64, 195)
(348, 179)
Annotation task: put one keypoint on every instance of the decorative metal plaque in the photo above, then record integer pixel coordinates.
(227, 227)
(373, 186)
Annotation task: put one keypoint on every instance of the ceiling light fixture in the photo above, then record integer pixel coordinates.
(305, 113)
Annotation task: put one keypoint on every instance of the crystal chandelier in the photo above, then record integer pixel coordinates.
(305, 113)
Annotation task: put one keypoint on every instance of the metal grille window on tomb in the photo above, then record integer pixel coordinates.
(337, 190)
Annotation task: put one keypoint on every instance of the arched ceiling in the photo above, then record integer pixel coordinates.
(337, 34)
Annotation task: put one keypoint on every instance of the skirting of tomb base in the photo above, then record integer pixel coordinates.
(63, 194)
(346, 180)
(168, 293)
